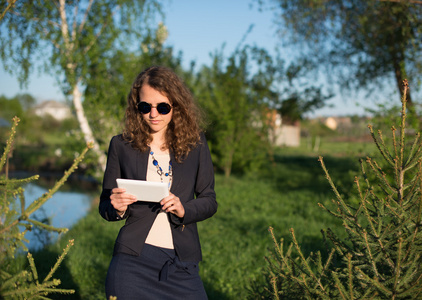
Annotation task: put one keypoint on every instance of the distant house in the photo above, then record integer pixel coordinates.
(283, 134)
(57, 110)
(331, 123)
(335, 122)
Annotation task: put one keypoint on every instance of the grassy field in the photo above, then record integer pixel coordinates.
(235, 241)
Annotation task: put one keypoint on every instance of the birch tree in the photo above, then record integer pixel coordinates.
(67, 37)
(5, 8)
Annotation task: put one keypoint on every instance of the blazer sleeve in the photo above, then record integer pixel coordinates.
(205, 204)
(113, 171)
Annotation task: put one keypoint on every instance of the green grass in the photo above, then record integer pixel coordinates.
(284, 195)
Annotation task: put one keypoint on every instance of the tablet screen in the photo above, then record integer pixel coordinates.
(150, 191)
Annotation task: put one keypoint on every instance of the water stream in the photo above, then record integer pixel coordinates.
(64, 209)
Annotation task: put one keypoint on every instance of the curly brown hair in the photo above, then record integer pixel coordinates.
(183, 131)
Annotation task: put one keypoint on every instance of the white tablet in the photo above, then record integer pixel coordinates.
(144, 190)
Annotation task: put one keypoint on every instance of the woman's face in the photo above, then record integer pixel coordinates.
(156, 121)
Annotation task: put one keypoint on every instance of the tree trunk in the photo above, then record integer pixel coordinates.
(400, 74)
(85, 128)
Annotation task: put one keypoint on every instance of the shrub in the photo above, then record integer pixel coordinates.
(381, 258)
(18, 281)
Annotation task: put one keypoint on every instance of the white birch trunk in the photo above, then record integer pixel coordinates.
(85, 128)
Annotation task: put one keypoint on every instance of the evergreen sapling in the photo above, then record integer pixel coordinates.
(381, 258)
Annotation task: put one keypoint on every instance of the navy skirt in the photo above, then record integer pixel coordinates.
(156, 274)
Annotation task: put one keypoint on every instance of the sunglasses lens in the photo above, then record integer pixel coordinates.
(163, 108)
(144, 107)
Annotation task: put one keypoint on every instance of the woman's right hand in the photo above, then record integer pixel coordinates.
(120, 200)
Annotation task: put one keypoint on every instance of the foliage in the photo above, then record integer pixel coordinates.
(299, 103)
(72, 36)
(241, 95)
(10, 108)
(6, 8)
(343, 37)
(69, 37)
(388, 113)
(234, 100)
(381, 256)
(24, 283)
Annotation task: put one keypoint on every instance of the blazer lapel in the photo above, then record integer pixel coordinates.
(175, 169)
(142, 165)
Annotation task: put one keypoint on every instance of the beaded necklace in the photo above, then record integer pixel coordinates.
(160, 172)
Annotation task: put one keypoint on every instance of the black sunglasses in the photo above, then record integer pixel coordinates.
(163, 108)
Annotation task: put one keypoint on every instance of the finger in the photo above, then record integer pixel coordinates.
(123, 196)
(166, 199)
(118, 191)
(166, 205)
(120, 201)
(177, 210)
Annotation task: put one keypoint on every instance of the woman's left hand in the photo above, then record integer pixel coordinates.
(172, 204)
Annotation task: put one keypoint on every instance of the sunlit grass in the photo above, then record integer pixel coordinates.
(284, 195)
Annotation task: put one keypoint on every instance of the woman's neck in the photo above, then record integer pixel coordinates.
(158, 144)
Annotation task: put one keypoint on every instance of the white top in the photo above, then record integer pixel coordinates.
(160, 233)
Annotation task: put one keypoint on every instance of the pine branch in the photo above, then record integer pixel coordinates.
(412, 188)
(369, 218)
(403, 120)
(59, 260)
(304, 261)
(47, 227)
(9, 142)
(381, 147)
(419, 216)
(371, 258)
(333, 187)
(279, 249)
(396, 153)
(414, 156)
(275, 289)
(33, 268)
(374, 282)
(384, 248)
(385, 185)
(362, 198)
(339, 286)
(11, 281)
(349, 268)
(13, 182)
(40, 201)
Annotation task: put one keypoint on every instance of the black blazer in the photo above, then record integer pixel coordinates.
(193, 183)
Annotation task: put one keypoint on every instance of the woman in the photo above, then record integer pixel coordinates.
(157, 251)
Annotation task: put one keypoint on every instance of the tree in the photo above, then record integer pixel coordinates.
(18, 282)
(10, 107)
(7, 6)
(235, 101)
(379, 257)
(360, 43)
(240, 95)
(69, 37)
(298, 104)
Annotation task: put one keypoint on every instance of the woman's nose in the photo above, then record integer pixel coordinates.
(153, 113)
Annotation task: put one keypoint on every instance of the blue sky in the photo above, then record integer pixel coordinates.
(197, 28)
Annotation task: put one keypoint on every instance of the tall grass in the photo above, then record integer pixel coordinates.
(234, 241)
